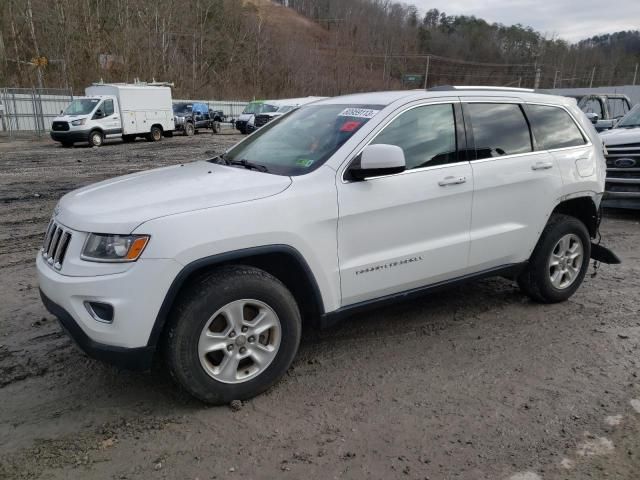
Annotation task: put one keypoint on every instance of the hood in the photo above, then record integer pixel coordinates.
(70, 118)
(620, 136)
(121, 204)
(245, 117)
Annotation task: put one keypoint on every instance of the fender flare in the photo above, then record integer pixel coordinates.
(224, 258)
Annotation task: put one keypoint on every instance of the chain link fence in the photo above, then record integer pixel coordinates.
(31, 110)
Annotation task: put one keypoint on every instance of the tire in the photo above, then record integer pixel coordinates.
(188, 129)
(155, 135)
(204, 310)
(215, 127)
(128, 138)
(556, 269)
(96, 138)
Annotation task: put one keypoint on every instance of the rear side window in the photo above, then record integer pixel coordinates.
(616, 107)
(553, 127)
(499, 129)
(427, 135)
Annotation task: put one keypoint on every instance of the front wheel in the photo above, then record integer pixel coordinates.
(559, 262)
(189, 129)
(96, 138)
(233, 335)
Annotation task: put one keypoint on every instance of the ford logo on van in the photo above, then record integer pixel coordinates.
(625, 162)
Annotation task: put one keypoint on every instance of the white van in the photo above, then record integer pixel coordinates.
(116, 110)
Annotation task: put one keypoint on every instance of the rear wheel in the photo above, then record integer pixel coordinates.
(233, 335)
(188, 129)
(559, 262)
(96, 138)
(155, 135)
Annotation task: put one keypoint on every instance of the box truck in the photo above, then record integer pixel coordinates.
(116, 110)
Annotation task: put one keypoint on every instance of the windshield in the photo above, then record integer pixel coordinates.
(304, 139)
(259, 107)
(182, 108)
(631, 119)
(83, 106)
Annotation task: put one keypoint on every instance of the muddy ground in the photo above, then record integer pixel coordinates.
(473, 383)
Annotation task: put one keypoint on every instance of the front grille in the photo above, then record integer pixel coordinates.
(56, 242)
(261, 120)
(60, 126)
(623, 169)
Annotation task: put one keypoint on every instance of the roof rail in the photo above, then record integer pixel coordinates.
(449, 88)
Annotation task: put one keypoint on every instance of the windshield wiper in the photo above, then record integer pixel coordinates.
(247, 164)
(220, 159)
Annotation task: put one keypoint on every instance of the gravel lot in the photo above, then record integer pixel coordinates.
(473, 383)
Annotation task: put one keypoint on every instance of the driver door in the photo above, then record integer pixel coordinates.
(411, 229)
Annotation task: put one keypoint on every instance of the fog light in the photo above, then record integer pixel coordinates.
(101, 312)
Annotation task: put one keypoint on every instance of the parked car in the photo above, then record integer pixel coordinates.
(623, 162)
(605, 109)
(191, 116)
(247, 117)
(284, 106)
(344, 204)
(115, 110)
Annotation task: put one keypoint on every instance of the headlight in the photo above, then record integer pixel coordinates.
(76, 123)
(113, 248)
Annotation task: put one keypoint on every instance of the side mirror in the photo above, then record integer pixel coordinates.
(378, 160)
(61, 112)
(98, 114)
(593, 117)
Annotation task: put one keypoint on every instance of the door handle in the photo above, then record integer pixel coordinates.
(115, 118)
(452, 181)
(542, 166)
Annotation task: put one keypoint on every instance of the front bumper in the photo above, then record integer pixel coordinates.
(129, 358)
(70, 136)
(135, 294)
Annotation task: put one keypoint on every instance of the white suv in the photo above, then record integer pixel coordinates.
(332, 208)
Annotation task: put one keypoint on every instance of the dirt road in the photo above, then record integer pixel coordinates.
(473, 383)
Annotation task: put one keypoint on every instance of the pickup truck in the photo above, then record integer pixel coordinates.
(605, 109)
(191, 116)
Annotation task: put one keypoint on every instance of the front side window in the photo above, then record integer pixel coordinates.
(304, 139)
(499, 129)
(591, 105)
(427, 135)
(107, 108)
(553, 127)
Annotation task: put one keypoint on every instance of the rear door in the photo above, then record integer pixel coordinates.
(515, 186)
(407, 230)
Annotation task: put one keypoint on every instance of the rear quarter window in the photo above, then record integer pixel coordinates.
(553, 127)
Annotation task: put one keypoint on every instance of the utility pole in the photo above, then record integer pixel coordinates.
(536, 82)
(555, 78)
(635, 74)
(426, 71)
(593, 73)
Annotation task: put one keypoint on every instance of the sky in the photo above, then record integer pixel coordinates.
(571, 20)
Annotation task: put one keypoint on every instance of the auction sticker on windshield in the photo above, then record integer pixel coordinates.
(358, 112)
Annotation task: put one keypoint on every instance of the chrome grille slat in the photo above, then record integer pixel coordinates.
(56, 242)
